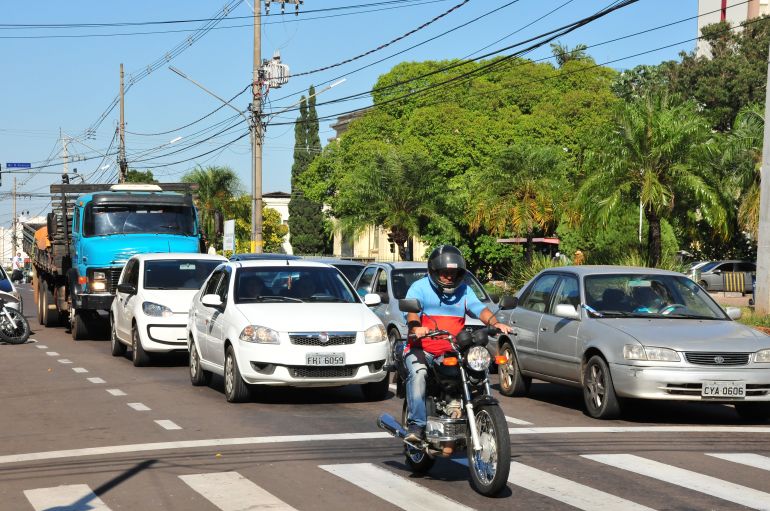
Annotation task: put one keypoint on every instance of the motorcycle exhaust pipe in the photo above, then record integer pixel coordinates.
(391, 425)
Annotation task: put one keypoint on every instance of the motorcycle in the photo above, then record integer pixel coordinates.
(478, 426)
(14, 327)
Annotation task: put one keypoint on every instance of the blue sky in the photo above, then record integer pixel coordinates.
(66, 83)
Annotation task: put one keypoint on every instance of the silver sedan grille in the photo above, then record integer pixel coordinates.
(717, 359)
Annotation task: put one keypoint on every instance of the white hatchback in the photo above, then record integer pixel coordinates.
(285, 323)
(149, 312)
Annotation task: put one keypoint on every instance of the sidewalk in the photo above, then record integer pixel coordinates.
(731, 299)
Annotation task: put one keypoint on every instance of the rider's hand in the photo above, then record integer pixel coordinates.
(502, 327)
(420, 331)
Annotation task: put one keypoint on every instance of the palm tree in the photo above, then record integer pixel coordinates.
(216, 187)
(646, 158)
(521, 195)
(563, 54)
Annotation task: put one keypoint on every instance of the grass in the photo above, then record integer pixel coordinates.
(748, 317)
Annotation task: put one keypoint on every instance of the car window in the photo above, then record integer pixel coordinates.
(381, 286)
(132, 276)
(177, 273)
(708, 266)
(309, 284)
(365, 282)
(476, 287)
(538, 295)
(213, 282)
(724, 267)
(567, 292)
(401, 280)
(351, 271)
(745, 267)
(127, 272)
(224, 285)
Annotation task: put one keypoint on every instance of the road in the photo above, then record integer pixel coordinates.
(80, 429)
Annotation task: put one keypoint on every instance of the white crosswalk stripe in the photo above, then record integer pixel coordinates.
(751, 460)
(702, 483)
(397, 490)
(230, 491)
(71, 497)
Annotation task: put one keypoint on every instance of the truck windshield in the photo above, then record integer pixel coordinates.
(104, 220)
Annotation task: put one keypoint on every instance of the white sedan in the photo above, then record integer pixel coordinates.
(285, 323)
(149, 312)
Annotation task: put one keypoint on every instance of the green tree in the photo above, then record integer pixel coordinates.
(137, 176)
(645, 158)
(521, 195)
(273, 231)
(216, 187)
(306, 218)
(563, 53)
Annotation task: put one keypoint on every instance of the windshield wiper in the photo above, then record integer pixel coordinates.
(330, 299)
(687, 316)
(622, 314)
(272, 299)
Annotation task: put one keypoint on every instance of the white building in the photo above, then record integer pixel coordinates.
(6, 239)
(734, 12)
(279, 201)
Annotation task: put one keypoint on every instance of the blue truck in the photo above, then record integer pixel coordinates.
(90, 233)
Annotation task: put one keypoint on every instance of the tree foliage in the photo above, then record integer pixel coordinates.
(137, 176)
(217, 186)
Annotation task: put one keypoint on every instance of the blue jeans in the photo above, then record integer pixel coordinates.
(415, 388)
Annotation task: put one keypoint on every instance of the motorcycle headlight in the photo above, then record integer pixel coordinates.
(259, 335)
(375, 333)
(478, 358)
(156, 310)
(762, 356)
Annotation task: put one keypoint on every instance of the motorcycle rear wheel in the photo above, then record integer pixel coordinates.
(491, 465)
(14, 334)
(418, 461)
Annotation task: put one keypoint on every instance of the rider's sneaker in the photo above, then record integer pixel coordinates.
(415, 434)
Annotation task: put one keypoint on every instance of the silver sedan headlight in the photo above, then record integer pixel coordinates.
(478, 358)
(651, 353)
(762, 356)
(374, 334)
(259, 335)
(156, 310)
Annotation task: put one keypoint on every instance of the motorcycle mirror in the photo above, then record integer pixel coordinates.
(410, 305)
(481, 337)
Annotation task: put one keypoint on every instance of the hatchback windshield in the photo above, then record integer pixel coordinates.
(292, 284)
(138, 218)
(640, 295)
(402, 279)
(177, 273)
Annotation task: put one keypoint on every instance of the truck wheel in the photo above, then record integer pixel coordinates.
(49, 311)
(39, 301)
(78, 326)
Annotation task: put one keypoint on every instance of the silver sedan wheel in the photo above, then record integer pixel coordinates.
(596, 386)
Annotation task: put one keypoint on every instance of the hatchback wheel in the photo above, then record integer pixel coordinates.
(236, 390)
(598, 390)
(140, 357)
(118, 348)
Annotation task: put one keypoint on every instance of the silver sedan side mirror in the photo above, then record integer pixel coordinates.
(565, 310)
(372, 299)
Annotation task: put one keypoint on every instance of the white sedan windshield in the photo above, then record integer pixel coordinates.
(292, 284)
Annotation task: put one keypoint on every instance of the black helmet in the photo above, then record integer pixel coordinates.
(446, 257)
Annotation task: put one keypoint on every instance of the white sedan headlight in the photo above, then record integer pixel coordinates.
(156, 310)
(374, 334)
(260, 335)
(654, 354)
(478, 358)
(762, 356)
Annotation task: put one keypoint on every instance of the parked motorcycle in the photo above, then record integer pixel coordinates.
(479, 427)
(14, 327)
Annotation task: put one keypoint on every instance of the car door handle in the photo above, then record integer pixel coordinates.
(543, 329)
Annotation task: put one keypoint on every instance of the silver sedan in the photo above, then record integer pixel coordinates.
(619, 332)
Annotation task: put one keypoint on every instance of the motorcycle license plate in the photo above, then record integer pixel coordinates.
(724, 389)
(325, 359)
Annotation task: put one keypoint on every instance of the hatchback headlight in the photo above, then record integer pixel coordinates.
(654, 354)
(156, 310)
(260, 335)
(374, 334)
(478, 358)
(762, 356)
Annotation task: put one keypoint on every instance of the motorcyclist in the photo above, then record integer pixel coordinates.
(445, 299)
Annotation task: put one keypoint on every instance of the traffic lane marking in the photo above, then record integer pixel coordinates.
(80, 369)
(66, 497)
(748, 459)
(64, 361)
(344, 437)
(230, 491)
(139, 407)
(116, 392)
(167, 424)
(52, 353)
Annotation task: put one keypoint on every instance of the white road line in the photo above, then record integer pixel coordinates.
(116, 392)
(96, 380)
(230, 491)
(702, 483)
(397, 490)
(571, 430)
(139, 407)
(41, 347)
(64, 361)
(514, 420)
(751, 460)
(167, 424)
(566, 491)
(52, 353)
(80, 369)
(71, 497)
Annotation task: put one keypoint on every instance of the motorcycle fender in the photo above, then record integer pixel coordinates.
(484, 400)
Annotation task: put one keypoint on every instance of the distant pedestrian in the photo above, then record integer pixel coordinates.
(17, 265)
(579, 257)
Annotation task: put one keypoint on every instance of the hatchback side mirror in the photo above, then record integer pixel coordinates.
(129, 289)
(508, 302)
(211, 300)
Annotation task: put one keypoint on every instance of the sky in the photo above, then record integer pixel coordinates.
(62, 80)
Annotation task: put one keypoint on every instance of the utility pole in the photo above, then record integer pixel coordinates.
(13, 228)
(762, 291)
(256, 134)
(122, 163)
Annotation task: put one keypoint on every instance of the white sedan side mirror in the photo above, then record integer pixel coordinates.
(733, 312)
(372, 299)
(565, 310)
(211, 300)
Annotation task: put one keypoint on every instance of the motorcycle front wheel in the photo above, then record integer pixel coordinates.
(13, 329)
(419, 462)
(490, 466)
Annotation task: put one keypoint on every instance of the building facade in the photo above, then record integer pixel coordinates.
(734, 12)
(279, 201)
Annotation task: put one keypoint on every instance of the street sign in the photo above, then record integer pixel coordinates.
(228, 242)
(17, 165)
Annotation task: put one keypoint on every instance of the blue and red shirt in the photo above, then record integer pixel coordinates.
(443, 312)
